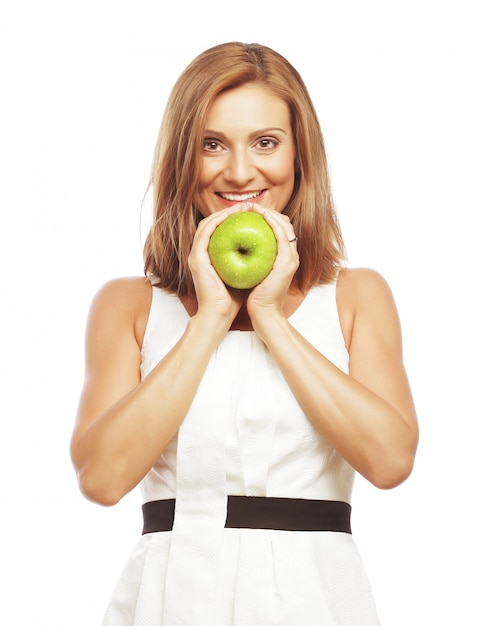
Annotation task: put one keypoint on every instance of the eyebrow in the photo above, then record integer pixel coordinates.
(255, 133)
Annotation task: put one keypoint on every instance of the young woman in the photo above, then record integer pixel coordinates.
(243, 414)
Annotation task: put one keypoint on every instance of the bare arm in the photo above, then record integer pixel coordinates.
(368, 416)
(124, 424)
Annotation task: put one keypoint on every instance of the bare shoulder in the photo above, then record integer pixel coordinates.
(362, 292)
(124, 290)
(360, 287)
(123, 301)
(118, 314)
(361, 280)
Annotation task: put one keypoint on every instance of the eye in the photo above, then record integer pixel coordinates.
(266, 144)
(211, 145)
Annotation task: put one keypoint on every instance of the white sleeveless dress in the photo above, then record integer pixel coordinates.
(245, 434)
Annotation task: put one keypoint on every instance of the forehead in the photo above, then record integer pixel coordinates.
(248, 106)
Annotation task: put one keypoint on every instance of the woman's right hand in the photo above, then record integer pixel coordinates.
(213, 297)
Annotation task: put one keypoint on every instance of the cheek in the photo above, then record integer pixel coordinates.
(286, 170)
(286, 161)
(203, 198)
(208, 172)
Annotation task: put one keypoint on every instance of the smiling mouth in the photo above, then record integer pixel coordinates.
(240, 197)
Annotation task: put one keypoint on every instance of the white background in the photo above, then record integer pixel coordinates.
(83, 86)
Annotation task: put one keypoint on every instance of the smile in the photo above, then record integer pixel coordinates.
(240, 197)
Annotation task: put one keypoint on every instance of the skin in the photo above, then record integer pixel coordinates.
(124, 424)
(252, 162)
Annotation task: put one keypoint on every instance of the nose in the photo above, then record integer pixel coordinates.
(239, 168)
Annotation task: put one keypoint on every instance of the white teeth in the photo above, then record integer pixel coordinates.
(239, 197)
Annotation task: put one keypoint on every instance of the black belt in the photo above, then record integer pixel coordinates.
(260, 512)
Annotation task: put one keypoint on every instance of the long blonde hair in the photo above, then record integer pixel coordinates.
(176, 165)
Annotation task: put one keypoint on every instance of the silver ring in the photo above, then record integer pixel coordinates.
(292, 240)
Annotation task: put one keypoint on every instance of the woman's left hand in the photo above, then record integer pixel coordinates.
(268, 298)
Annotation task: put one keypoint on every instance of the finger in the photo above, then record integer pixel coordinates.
(207, 226)
(281, 226)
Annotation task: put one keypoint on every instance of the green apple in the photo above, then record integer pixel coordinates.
(243, 249)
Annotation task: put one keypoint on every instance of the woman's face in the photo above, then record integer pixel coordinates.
(248, 152)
